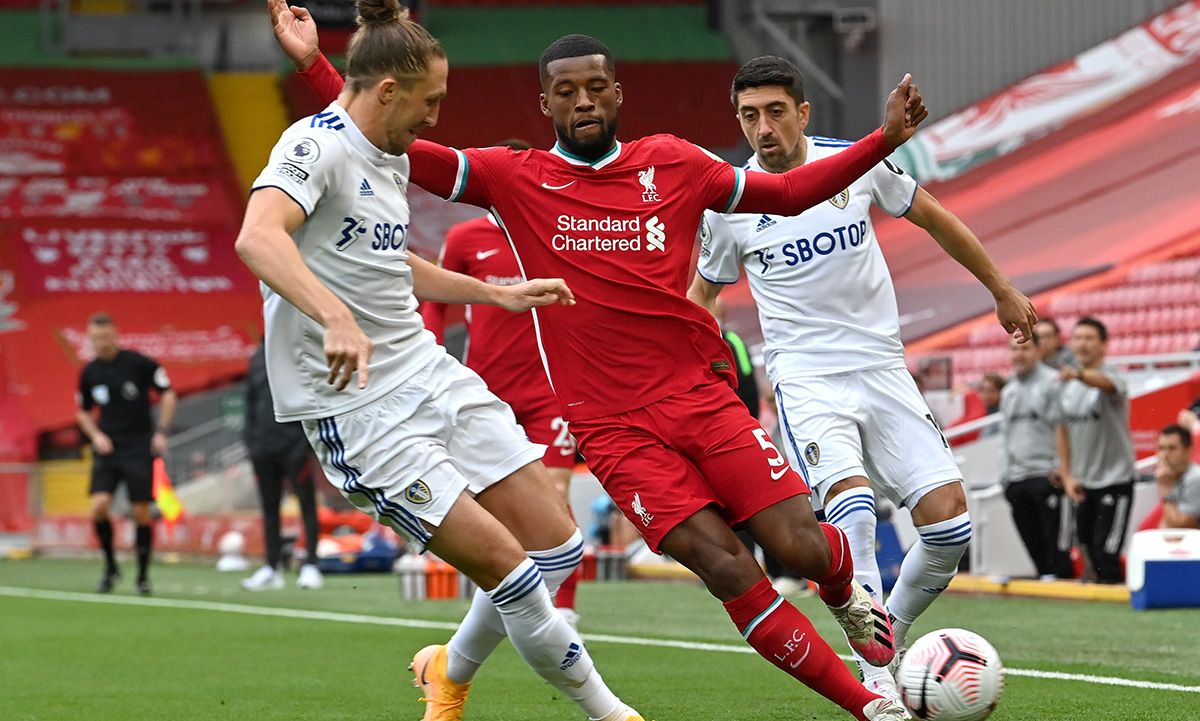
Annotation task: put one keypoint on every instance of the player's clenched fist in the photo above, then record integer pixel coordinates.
(904, 111)
(534, 294)
(347, 349)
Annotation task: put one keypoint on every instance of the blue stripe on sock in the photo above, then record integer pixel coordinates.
(946, 544)
(518, 588)
(840, 512)
(947, 532)
(503, 592)
(525, 593)
(576, 551)
(561, 566)
(839, 507)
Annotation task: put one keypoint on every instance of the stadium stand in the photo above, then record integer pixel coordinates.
(1098, 218)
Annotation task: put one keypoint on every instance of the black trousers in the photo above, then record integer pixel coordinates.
(1043, 519)
(1102, 519)
(272, 470)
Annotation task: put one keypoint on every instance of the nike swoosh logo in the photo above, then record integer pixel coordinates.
(558, 187)
(776, 476)
(800, 660)
(485, 254)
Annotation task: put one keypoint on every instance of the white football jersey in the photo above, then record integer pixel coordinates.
(355, 239)
(824, 294)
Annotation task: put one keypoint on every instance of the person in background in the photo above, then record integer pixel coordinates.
(1029, 408)
(1178, 479)
(279, 452)
(118, 382)
(1095, 449)
(990, 388)
(1049, 336)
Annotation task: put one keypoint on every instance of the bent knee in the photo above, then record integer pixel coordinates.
(727, 572)
(803, 550)
(947, 536)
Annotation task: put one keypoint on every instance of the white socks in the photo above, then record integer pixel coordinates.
(482, 629)
(853, 511)
(927, 569)
(548, 643)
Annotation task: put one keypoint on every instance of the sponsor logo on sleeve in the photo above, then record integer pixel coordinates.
(304, 151)
(292, 171)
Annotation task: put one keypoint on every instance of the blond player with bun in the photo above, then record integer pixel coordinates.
(408, 434)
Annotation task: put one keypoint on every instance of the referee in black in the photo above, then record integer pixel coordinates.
(125, 439)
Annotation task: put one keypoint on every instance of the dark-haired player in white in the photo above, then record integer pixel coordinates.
(849, 410)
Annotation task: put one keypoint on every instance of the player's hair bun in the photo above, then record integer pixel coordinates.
(380, 12)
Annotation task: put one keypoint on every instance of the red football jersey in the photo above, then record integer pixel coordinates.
(620, 231)
(501, 346)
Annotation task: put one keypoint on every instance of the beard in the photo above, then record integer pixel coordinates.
(779, 162)
(588, 149)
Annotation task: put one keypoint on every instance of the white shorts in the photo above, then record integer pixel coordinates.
(408, 458)
(870, 423)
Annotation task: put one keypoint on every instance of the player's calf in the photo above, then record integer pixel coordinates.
(927, 570)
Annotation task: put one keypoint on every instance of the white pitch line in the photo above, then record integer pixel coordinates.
(297, 613)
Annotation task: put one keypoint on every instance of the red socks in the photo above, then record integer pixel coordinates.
(834, 586)
(786, 638)
(565, 598)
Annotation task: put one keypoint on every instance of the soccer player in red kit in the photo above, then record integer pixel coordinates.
(642, 373)
(502, 348)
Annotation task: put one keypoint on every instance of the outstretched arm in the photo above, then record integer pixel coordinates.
(1015, 312)
(438, 284)
(801, 188)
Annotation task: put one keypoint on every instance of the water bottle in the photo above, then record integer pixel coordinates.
(411, 569)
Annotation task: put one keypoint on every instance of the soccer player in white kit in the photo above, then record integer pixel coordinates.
(849, 410)
(423, 447)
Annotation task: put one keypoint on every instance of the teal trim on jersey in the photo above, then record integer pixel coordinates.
(462, 187)
(740, 354)
(558, 148)
(759, 618)
(739, 182)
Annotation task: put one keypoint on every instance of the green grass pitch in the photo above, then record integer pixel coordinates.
(76, 660)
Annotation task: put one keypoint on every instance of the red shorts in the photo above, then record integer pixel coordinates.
(544, 425)
(664, 462)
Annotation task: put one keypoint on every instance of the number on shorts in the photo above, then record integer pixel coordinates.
(563, 441)
(774, 457)
(936, 427)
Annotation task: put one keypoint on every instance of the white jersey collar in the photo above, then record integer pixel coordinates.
(358, 141)
(596, 164)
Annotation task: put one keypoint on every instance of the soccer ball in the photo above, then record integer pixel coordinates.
(951, 675)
